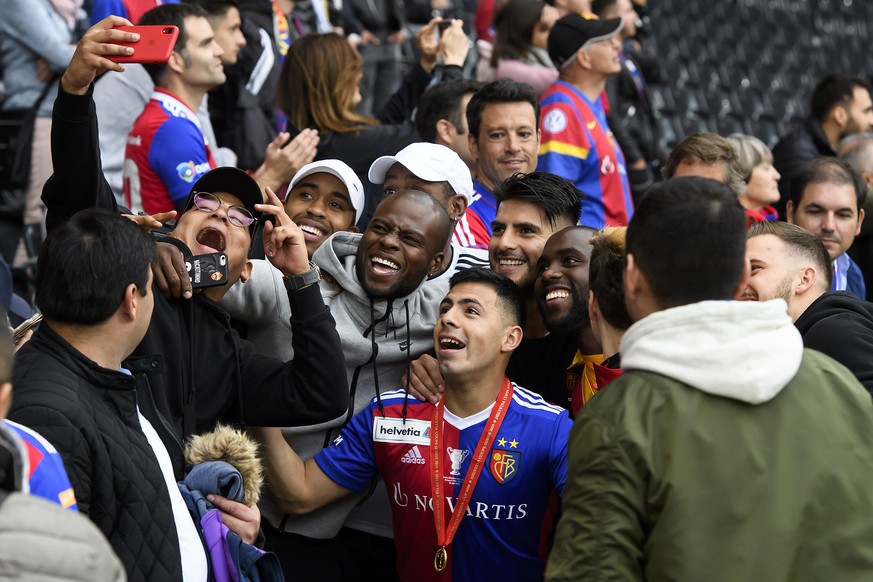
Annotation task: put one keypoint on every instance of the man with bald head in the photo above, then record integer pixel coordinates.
(385, 309)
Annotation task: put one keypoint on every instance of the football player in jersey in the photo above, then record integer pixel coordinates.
(577, 142)
(472, 479)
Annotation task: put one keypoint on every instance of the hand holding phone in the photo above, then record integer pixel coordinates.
(443, 25)
(156, 44)
(207, 270)
(22, 329)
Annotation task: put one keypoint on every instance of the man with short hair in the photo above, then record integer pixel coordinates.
(503, 118)
(707, 155)
(561, 291)
(385, 309)
(606, 308)
(441, 116)
(840, 107)
(72, 387)
(827, 198)
(169, 146)
(791, 263)
(190, 360)
(503, 442)
(166, 149)
(689, 460)
(577, 143)
(39, 539)
(531, 208)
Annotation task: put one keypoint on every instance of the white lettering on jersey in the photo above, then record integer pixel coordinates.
(413, 457)
(479, 510)
(394, 430)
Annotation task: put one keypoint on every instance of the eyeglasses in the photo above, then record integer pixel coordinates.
(236, 215)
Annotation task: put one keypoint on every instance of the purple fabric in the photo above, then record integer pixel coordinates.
(214, 533)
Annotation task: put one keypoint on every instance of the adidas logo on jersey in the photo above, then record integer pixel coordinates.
(413, 456)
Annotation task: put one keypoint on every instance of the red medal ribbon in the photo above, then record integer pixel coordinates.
(498, 412)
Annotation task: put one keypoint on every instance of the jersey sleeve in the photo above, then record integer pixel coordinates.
(471, 231)
(350, 461)
(564, 142)
(178, 156)
(46, 476)
(558, 453)
(103, 8)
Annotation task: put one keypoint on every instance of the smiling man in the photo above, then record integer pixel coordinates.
(488, 433)
(323, 198)
(504, 137)
(561, 292)
(532, 208)
(827, 198)
(791, 263)
(385, 311)
(440, 172)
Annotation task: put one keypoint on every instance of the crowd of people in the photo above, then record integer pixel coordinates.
(337, 293)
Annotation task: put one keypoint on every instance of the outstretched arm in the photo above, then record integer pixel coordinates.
(78, 181)
(298, 487)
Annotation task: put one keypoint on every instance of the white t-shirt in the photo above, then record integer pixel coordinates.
(194, 566)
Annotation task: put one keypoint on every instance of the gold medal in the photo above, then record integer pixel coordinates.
(440, 560)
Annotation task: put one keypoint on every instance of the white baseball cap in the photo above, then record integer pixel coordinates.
(431, 162)
(342, 171)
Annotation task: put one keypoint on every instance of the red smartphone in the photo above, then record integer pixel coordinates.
(155, 44)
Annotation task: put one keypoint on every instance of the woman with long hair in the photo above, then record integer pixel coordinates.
(320, 87)
(520, 44)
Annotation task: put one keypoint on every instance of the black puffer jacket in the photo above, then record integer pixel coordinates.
(89, 414)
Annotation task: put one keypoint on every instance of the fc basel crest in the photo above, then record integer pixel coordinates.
(504, 465)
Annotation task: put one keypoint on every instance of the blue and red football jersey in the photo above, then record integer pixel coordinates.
(166, 153)
(577, 144)
(46, 475)
(474, 229)
(501, 532)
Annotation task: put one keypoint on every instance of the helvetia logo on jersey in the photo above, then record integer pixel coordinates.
(504, 465)
(413, 457)
(394, 430)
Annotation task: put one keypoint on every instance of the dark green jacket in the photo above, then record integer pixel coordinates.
(668, 482)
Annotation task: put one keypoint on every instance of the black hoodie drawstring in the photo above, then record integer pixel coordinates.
(374, 349)
(408, 361)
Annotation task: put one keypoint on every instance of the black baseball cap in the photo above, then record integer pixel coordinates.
(577, 31)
